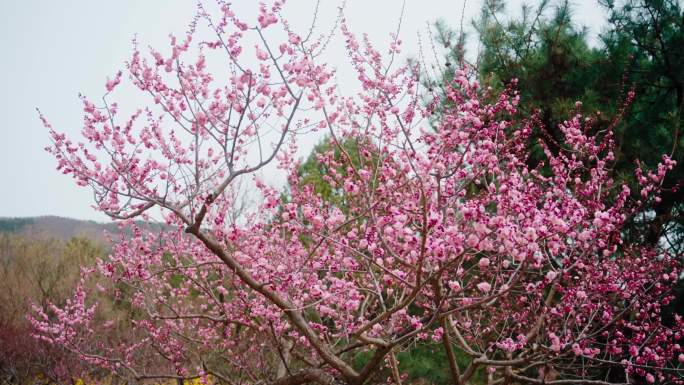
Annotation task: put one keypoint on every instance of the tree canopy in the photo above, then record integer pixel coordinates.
(481, 216)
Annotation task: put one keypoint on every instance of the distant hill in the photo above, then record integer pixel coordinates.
(58, 227)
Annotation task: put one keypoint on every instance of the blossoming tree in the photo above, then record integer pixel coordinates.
(443, 236)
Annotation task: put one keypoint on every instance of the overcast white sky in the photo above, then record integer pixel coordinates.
(52, 50)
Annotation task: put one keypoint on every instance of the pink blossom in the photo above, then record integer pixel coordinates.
(551, 275)
(577, 349)
(555, 342)
(484, 287)
(437, 334)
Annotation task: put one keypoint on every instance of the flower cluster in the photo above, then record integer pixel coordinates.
(444, 233)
